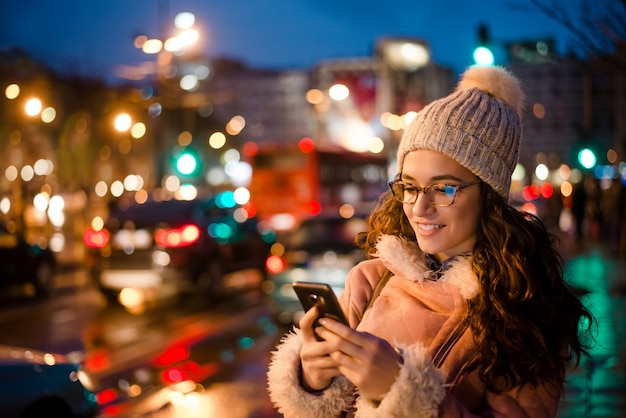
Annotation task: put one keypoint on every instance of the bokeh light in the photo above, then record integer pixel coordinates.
(12, 91)
(33, 107)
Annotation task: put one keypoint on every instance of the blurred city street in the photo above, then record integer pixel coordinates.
(597, 271)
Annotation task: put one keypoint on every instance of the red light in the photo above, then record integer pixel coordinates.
(535, 190)
(529, 208)
(546, 190)
(251, 209)
(274, 264)
(189, 370)
(313, 207)
(172, 355)
(173, 375)
(177, 237)
(106, 396)
(95, 239)
(250, 149)
(306, 145)
(97, 362)
(114, 410)
(191, 367)
(531, 192)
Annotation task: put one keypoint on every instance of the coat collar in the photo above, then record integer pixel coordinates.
(404, 258)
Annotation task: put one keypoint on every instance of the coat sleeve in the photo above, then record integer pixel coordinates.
(290, 398)
(525, 402)
(419, 391)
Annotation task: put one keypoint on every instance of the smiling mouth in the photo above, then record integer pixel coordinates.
(429, 227)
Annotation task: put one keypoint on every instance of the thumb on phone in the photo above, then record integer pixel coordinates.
(307, 323)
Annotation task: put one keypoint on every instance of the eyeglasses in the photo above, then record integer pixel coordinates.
(438, 194)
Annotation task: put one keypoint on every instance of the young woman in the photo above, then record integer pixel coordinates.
(475, 318)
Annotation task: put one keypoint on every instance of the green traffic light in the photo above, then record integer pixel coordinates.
(483, 56)
(587, 158)
(186, 164)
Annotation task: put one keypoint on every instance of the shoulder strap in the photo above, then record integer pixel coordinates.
(379, 287)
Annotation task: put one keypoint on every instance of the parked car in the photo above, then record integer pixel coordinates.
(25, 266)
(35, 384)
(177, 245)
(321, 249)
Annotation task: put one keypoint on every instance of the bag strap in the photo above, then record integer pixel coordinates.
(379, 287)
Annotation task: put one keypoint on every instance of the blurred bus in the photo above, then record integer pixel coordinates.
(290, 184)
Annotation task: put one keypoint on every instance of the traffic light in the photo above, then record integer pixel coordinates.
(482, 53)
(587, 158)
(187, 162)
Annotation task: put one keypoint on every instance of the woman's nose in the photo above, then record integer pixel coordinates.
(422, 205)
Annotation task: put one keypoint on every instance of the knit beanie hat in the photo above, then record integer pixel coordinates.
(478, 125)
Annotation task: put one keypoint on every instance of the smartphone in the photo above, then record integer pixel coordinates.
(322, 295)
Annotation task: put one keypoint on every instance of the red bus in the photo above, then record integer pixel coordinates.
(291, 184)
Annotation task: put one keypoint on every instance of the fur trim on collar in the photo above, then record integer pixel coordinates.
(405, 259)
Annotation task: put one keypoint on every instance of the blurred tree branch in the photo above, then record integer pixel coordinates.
(599, 26)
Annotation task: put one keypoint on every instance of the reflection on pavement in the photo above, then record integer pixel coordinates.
(597, 388)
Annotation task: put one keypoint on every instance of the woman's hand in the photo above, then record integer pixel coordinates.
(369, 362)
(318, 368)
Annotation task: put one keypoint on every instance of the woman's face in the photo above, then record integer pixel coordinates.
(443, 231)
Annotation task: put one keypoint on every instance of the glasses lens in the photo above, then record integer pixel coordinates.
(398, 190)
(438, 194)
(404, 193)
(441, 194)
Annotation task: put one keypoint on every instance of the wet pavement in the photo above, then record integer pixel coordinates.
(597, 388)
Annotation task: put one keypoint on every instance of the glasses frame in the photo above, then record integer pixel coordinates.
(425, 189)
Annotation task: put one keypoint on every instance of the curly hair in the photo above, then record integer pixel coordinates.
(526, 321)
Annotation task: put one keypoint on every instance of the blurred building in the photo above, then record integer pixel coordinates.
(282, 107)
(273, 103)
(570, 105)
(574, 140)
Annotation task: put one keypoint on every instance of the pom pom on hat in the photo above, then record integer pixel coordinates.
(497, 82)
(478, 125)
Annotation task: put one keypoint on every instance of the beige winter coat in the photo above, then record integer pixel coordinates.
(424, 319)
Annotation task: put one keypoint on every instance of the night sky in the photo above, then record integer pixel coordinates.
(96, 37)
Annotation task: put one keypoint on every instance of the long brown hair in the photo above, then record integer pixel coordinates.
(526, 320)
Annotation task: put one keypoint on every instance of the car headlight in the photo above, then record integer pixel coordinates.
(84, 378)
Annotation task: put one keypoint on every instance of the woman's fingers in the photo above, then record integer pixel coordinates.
(306, 324)
(318, 368)
(371, 363)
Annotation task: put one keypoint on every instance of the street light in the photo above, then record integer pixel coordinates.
(33, 107)
(122, 122)
(405, 54)
(185, 37)
(171, 74)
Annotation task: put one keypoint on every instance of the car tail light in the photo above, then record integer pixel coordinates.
(274, 264)
(106, 396)
(177, 237)
(96, 239)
